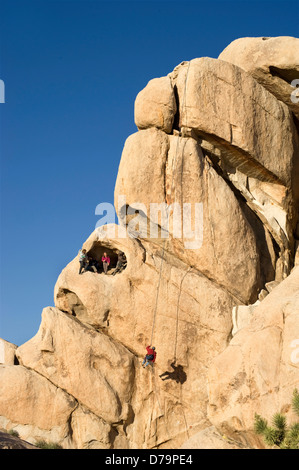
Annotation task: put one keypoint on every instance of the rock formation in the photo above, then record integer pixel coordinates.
(273, 62)
(8, 441)
(207, 195)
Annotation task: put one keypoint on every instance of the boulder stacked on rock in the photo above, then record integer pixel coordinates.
(273, 62)
(207, 199)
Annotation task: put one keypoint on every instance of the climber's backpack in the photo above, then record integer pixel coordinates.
(150, 357)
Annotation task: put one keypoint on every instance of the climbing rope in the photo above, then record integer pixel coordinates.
(171, 190)
(177, 312)
(157, 293)
(162, 260)
(158, 400)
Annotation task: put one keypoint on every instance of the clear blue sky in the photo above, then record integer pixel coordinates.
(72, 70)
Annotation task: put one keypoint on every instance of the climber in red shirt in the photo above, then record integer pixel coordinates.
(150, 356)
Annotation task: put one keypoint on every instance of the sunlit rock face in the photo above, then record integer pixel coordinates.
(207, 202)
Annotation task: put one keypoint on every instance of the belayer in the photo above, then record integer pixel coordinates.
(150, 356)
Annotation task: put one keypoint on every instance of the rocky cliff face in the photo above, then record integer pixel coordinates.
(211, 277)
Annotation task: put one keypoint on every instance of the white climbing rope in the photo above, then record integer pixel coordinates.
(171, 190)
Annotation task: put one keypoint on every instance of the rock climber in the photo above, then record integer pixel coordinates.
(150, 356)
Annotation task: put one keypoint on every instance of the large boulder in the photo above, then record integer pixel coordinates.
(160, 169)
(226, 105)
(259, 370)
(272, 61)
(83, 366)
(25, 397)
(155, 105)
(7, 352)
(37, 410)
(158, 299)
(141, 171)
(236, 121)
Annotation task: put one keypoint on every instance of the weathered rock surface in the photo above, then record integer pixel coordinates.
(7, 352)
(225, 104)
(155, 105)
(272, 61)
(210, 438)
(86, 372)
(241, 315)
(259, 370)
(24, 405)
(191, 310)
(234, 117)
(185, 177)
(210, 277)
(8, 441)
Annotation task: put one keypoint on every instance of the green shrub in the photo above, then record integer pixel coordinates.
(42, 444)
(279, 434)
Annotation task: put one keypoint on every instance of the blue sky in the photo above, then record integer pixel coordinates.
(72, 70)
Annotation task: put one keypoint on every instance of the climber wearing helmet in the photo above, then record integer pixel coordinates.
(150, 356)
